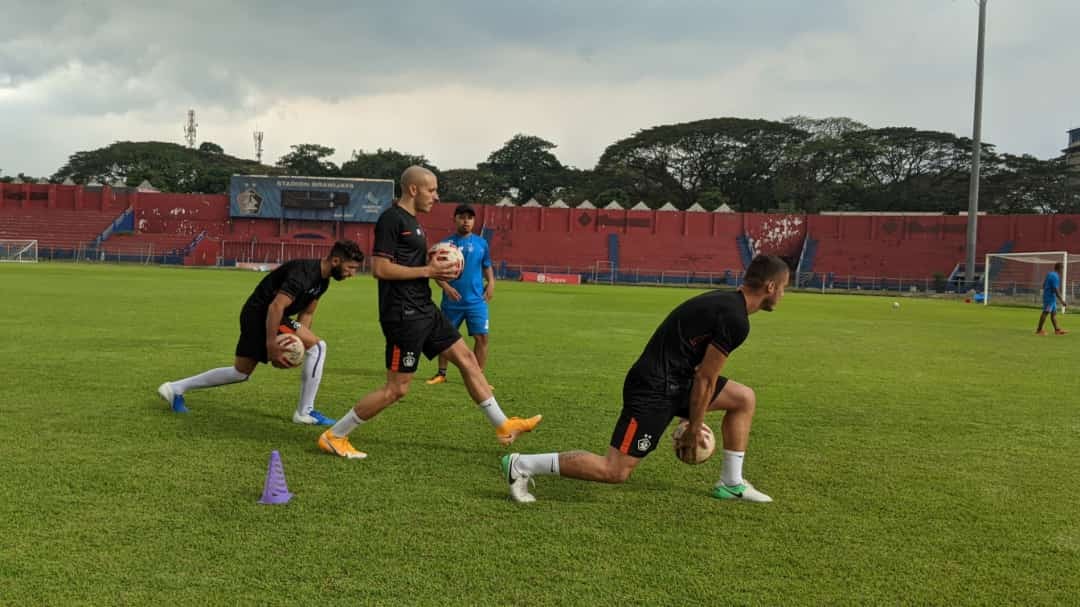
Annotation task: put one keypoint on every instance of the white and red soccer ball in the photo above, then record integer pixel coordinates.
(294, 348)
(448, 251)
(700, 452)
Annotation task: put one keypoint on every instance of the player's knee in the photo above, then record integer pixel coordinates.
(318, 343)
(481, 340)
(466, 361)
(396, 392)
(749, 400)
(239, 375)
(617, 474)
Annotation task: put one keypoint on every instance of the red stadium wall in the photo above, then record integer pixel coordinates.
(873, 245)
(42, 197)
(915, 246)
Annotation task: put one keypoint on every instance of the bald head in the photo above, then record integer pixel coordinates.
(415, 175)
(419, 189)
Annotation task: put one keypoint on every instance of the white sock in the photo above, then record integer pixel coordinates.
(732, 474)
(493, 412)
(540, 464)
(346, 424)
(214, 377)
(312, 376)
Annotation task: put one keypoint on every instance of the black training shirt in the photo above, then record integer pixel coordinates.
(678, 345)
(399, 238)
(300, 279)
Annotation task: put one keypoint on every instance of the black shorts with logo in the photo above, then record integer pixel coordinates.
(646, 414)
(252, 342)
(407, 339)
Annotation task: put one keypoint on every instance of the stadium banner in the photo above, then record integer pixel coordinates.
(257, 267)
(551, 279)
(314, 198)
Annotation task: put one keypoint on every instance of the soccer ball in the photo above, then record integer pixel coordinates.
(698, 454)
(895, 305)
(448, 251)
(294, 348)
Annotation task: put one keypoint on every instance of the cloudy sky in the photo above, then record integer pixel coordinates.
(453, 79)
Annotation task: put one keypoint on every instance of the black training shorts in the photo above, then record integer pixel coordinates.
(407, 339)
(252, 342)
(646, 414)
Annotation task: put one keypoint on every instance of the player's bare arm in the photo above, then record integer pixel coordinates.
(489, 288)
(701, 392)
(450, 291)
(274, 314)
(308, 315)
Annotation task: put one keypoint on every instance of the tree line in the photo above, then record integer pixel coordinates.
(799, 164)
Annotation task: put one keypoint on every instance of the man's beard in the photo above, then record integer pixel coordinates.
(337, 273)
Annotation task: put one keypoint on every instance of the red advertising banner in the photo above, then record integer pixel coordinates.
(551, 279)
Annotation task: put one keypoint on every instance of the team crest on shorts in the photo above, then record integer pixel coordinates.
(644, 442)
(409, 360)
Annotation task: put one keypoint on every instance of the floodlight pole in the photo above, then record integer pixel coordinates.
(976, 152)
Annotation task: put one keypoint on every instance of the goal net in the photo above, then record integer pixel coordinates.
(1017, 278)
(25, 251)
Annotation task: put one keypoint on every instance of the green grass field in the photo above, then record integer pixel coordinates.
(928, 455)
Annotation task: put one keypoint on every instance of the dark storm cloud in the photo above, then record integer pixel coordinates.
(108, 70)
(242, 52)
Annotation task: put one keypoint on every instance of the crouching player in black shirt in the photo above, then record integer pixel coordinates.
(677, 375)
(294, 288)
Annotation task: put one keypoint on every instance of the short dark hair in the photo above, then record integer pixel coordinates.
(464, 209)
(763, 269)
(347, 250)
(1058, 267)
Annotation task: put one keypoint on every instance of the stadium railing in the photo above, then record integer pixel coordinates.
(807, 281)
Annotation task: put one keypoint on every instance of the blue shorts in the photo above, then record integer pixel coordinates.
(474, 316)
(1050, 305)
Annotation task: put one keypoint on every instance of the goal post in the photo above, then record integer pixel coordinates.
(1017, 278)
(19, 251)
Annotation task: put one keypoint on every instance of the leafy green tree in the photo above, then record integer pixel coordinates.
(1025, 184)
(525, 166)
(740, 158)
(384, 164)
(309, 159)
(905, 169)
(825, 128)
(469, 185)
(170, 167)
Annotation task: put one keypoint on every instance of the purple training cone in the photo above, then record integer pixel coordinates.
(275, 491)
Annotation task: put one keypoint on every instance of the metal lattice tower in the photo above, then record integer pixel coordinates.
(258, 146)
(190, 128)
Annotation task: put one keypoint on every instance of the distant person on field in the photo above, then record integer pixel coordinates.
(677, 375)
(1051, 297)
(466, 298)
(294, 288)
(411, 323)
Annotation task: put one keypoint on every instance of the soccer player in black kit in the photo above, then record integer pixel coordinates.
(411, 322)
(677, 375)
(293, 288)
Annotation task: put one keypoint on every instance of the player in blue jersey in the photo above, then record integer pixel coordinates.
(466, 299)
(1051, 297)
